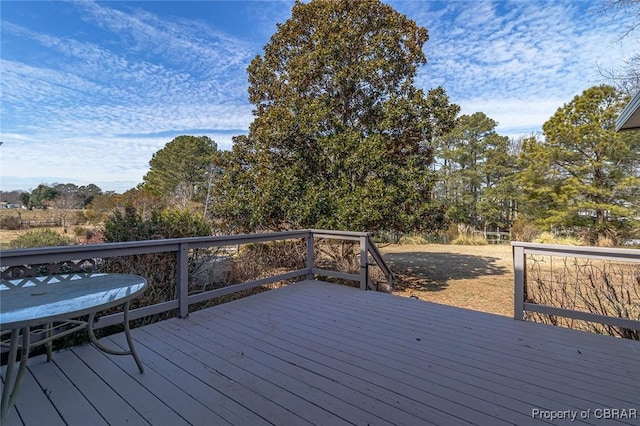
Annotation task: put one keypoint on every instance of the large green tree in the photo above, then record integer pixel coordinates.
(341, 137)
(584, 174)
(181, 170)
(42, 196)
(475, 166)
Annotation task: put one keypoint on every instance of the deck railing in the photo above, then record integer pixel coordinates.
(14, 263)
(590, 284)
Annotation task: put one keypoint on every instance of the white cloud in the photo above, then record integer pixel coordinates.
(87, 110)
(517, 61)
(113, 163)
(91, 113)
(515, 117)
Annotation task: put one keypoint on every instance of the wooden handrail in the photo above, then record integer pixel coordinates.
(367, 246)
(377, 256)
(181, 246)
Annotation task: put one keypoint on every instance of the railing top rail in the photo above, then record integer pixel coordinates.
(632, 255)
(320, 232)
(9, 257)
(84, 247)
(171, 242)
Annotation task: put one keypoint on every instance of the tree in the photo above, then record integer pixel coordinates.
(584, 174)
(25, 198)
(42, 196)
(87, 194)
(625, 8)
(475, 163)
(67, 196)
(131, 224)
(179, 170)
(627, 79)
(341, 137)
(233, 193)
(139, 198)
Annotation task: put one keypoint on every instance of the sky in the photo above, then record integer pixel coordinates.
(91, 90)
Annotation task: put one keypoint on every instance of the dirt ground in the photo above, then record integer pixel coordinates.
(472, 277)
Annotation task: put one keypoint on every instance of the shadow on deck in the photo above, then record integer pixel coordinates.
(319, 353)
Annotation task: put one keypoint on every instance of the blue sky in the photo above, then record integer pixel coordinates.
(90, 90)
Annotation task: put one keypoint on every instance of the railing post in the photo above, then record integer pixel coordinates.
(182, 280)
(310, 256)
(519, 264)
(364, 266)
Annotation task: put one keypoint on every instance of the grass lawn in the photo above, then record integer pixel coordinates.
(7, 235)
(473, 277)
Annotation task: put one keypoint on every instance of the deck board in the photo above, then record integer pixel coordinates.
(481, 352)
(209, 397)
(67, 399)
(333, 410)
(147, 404)
(188, 409)
(348, 404)
(248, 390)
(390, 392)
(39, 406)
(95, 390)
(318, 353)
(442, 380)
(341, 341)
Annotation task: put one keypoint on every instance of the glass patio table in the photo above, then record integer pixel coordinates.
(55, 302)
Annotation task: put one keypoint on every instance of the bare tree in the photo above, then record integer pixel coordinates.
(64, 206)
(624, 8)
(627, 78)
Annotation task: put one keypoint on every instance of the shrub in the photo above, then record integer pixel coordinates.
(470, 240)
(550, 238)
(93, 237)
(545, 238)
(570, 241)
(602, 287)
(43, 237)
(159, 269)
(451, 233)
(606, 241)
(523, 230)
(80, 217)
(79, 231)
(11, 223)
(128, 225)
(258, 260)
(413, 239)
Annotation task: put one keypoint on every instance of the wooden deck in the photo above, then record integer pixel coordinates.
(318, 353)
